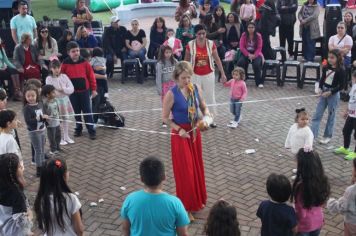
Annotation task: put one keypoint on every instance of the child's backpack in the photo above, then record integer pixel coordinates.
(110, 115)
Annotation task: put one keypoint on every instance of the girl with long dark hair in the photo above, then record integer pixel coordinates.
(310, 192)
(57, 208)
(222, 220)
(233, 31)
(331, 82)
(16, 216)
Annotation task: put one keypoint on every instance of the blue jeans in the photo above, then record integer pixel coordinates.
(235, 108)
(81, 103)
(313, 233)
(38, 141)
(308, 45)
(141, 54)
(331, 103)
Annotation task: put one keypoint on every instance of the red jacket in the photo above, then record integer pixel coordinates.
(259, 3)
(80, 73)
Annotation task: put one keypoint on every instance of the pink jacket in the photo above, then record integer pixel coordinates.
(177, 45)
(238, 89)
(258, 45)
(308, 219)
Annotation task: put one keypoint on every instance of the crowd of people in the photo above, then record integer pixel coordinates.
(59, 80)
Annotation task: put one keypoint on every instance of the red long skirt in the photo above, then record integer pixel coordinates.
(188, 168)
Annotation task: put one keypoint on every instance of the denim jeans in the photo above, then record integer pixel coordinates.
(141, 54)
(313, 233)
(308, 45)
(38, 140)
(235, 108)
(331, 103)
(110, 61)
(81, 103)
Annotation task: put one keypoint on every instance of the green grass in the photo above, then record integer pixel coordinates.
(49, 8)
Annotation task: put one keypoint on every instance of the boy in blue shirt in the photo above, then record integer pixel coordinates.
(150, 211)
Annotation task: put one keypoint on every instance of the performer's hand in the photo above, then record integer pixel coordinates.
(183, 133)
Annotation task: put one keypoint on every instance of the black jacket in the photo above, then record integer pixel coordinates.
(287, 10)
(338, 82)
(114, 39)
(269, 19)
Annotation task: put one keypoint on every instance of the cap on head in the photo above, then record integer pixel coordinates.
(114, 19)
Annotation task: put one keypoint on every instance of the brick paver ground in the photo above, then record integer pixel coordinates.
(100, 168)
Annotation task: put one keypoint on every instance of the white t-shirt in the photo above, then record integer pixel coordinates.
(8, 144)
(347, 40)
(352, 102)
(298, 138)
(73, 206)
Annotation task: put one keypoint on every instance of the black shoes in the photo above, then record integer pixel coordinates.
(213, 125)
(92, 136)
(78, 133)
(38, 171)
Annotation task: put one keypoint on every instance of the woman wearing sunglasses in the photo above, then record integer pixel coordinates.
(46, 47)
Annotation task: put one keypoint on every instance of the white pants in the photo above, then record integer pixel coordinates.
(207, 84)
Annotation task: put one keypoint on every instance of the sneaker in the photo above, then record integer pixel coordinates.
(233, 125)
(69, 140)
(213, 125)
(231, 121)
(260, 86)
(342, 150)
(325, 140)
(63, 142)
(56, 152)
(51, 153)
(293, 177)
(350, 156)
(164, 125)
(78, 133)
(295, 171)
(92, 136)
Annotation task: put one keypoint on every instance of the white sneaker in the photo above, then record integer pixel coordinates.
(233, 125)
(260, 86)
(293, 177)
(69, 140)
(325, 140)
(63, 142)
(294, 171)
(231, 121)
(164, 125)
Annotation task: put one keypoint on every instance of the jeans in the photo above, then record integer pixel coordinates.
(235, 109)
(38, 140)
(308, 44)
(141, 54)
(313, 233)
(331, 103)
(81, 103)
(256, 65)
(54, 137)
(286, 32)
(110, 61)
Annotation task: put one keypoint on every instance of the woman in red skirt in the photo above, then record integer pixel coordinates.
(183, 101)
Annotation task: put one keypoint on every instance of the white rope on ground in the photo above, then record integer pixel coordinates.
(210, 105)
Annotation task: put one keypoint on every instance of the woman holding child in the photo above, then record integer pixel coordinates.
(184, 101)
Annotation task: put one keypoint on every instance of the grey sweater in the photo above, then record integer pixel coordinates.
(164, 73)
(346, 205)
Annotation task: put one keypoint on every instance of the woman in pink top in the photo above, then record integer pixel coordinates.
(238, 93)
(311, 190)
(174, 43)
(251, 50)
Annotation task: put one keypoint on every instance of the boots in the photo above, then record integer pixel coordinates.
(16, 84)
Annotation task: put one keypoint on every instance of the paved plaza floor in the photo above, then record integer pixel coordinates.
(107, 168)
